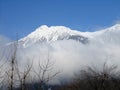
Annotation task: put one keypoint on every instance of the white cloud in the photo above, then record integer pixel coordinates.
(71, 56)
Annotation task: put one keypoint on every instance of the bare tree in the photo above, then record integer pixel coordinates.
(22, 76)
(94, 79)
(3, 61)
(44, 72)
(11, 72)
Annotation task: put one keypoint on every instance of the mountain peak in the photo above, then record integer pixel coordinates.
(52, 33)
(55, 33)
(43, 27)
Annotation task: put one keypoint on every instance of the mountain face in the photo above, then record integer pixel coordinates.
(51, 34)
(55, 33)
(109, 35)
(70, 50)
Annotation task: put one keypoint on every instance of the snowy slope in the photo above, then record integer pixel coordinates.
(108, 35)
(54, 33)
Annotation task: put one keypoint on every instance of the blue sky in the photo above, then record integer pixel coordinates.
(24, 16)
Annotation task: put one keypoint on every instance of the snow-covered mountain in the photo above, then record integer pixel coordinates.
(55, 33)
(71, 50)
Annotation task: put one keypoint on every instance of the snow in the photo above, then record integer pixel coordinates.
(45, 33)
(53, 33)
(70, 56)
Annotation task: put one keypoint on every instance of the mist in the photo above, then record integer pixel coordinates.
(69, 56)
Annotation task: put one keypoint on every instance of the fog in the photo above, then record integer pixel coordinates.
(67, 56)
(70, 56)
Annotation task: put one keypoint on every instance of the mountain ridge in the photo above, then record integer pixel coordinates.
(55, 33)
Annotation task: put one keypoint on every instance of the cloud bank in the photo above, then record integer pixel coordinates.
(70, 56)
